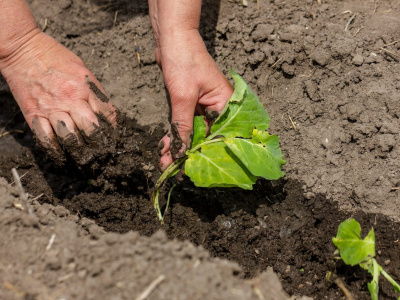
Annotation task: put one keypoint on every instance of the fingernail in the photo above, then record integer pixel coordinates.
(211, 115)
(49, 146)
(182, 151)
(160, 146)
(51, 149)
(62, 130)
(94, 138)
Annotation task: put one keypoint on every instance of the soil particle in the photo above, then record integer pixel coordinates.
(177, 147)
(95, 89)
(160, 145)
(64, 4)
(50, 150)
(358, 60)
(262, 32)
(321, 56)
(292, 32)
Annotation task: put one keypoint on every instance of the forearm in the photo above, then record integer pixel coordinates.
(17, 26)
(173, 17)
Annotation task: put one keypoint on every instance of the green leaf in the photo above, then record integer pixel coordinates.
(240, 87)
(354, 249)
(242, 113)
(261, 154)
(216, 166)
(199, 131)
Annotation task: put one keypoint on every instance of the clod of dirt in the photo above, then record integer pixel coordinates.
(177, 147)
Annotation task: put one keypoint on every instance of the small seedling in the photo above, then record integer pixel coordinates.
(357, 251)
(236, 151)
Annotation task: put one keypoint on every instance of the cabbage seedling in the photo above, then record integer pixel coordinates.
(236, 151)
(357, 251)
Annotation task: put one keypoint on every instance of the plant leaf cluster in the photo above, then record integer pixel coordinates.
(235, 151)
(357, 251)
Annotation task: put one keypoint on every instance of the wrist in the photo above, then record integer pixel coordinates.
(12, 50)
(174, 18)
(17, 27)
(179, 38)
(183, 45)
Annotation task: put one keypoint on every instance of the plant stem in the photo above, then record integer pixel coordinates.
(164, 176)
(156, 204)
(205, 143)
(373, 286)
(396, 286)
(170, 172)
(376, 270)
(166, 207)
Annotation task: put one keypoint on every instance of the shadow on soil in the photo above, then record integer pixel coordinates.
(273, 225)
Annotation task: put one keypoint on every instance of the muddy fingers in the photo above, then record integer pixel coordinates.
(46, 140)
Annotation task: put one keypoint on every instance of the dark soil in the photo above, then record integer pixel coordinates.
(58, 255)
(338, 87)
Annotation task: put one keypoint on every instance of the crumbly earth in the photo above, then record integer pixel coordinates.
(57, 255)
(327, 74)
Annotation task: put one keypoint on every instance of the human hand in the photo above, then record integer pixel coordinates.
(195, 85)
(58, 96)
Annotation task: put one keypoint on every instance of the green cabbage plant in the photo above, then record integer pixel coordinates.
(357, 251)
(236, 150)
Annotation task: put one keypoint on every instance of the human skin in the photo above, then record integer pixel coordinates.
(58, 96)
(194, 81)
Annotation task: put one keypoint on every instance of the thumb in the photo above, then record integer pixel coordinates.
(181, 125)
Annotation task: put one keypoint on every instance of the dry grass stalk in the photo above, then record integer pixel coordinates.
(11, 131)
(152, 286)
(21, 191)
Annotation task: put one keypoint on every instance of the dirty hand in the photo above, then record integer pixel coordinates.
(194, 82)
(195, 85)
(57, 94)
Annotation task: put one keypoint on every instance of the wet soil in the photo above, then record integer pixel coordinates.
(333, 99)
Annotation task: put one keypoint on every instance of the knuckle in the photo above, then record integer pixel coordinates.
(183, 127)
(88, 128)
(109, 114)
(184, 98)
(31, 114)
